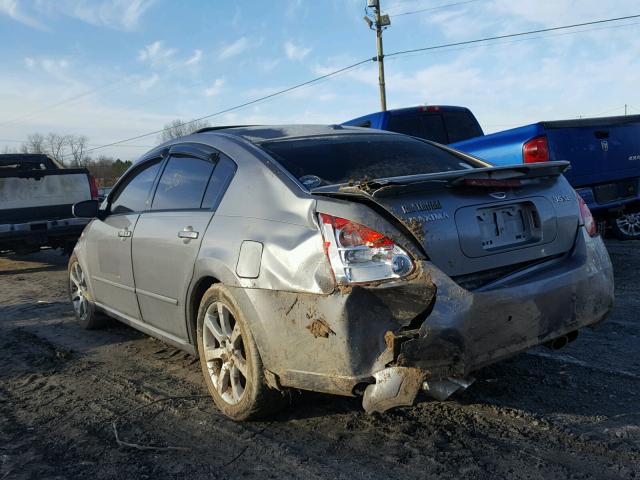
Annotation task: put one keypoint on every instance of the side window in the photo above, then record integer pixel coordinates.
(132, 196)
(222, 175)
(182, 184)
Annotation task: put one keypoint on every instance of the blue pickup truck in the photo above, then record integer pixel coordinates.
(604, 152)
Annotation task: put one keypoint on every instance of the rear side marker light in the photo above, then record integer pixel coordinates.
(358, 254)
(587, 217)
(536, 150)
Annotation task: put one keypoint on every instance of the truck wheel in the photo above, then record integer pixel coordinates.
(626, 226)
(80, 297)
(230, 360)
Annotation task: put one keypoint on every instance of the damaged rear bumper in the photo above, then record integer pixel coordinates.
(427, 327)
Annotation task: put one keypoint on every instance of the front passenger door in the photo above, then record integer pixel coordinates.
(109, 241)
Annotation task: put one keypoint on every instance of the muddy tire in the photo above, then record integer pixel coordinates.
(230, 360)
(626, 226)
(81, 300)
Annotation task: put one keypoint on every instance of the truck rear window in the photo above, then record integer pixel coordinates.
(443, 127)
(344, 158)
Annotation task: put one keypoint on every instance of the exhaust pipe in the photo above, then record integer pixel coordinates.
(563, 341)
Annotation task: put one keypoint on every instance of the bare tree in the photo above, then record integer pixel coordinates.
(35, 144)
(8, 149)
(180, 128)
(78, 146)
(55, 146)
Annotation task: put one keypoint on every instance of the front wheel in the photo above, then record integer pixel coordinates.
(83, 307)
(230, 360)
(626, 226)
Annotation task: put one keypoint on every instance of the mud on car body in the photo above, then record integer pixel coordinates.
(340, 260)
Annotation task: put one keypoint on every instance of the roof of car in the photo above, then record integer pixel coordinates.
(262, 133)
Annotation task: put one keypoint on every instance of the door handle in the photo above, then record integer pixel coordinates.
(124, 233)
(188, 234)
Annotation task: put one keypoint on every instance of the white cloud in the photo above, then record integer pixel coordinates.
(56, 67)
(148, 82)
(234, 49)
(119, 14)
(215, 89)
(156, 54)
(195, 58)
(295, 52)
(12, 9)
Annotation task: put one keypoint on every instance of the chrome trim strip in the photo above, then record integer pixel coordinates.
(170, 300)
(114, 284)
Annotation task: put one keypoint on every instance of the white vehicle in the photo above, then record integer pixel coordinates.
(36, 195)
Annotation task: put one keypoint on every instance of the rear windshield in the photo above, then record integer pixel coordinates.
(344, 158)
(443, 127)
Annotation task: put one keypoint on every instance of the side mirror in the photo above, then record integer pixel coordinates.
(86, 209)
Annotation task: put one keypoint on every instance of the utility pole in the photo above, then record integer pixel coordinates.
(381, 22)
(625, 109)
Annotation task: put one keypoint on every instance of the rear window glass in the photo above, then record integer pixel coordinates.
(345, 158)
(461, 126)
(445, 127)
(428, 126)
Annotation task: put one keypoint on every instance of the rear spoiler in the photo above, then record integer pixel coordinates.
(476, 176)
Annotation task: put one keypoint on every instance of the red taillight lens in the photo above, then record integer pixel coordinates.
(93, 187)
(587, 217)
(358, 254)
(536, 150)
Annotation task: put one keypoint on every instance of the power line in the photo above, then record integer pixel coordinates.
(237, 107)
(362, 62)
(510, 35)
(439, 7)
(71, 99)
(540, 37)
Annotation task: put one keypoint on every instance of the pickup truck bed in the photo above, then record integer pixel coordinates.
(36, 196)
(604, 155)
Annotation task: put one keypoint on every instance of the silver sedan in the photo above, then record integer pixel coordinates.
(338, 259)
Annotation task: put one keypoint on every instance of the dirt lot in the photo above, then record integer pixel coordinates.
(544, 414)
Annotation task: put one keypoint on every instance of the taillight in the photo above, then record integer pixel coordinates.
(93, 187)
(536, 150)
(587, 217)
(358, 254)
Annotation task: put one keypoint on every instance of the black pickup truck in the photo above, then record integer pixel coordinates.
(36, 196)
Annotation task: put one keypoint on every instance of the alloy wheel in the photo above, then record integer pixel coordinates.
(78, 291)
(629, 224)
(224, 353)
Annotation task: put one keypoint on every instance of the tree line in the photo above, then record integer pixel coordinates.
(71, 150)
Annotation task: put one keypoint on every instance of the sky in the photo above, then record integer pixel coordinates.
(115, 69)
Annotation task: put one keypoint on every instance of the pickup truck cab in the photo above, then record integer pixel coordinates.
(604, 153)
(438, 123)
(36, 196)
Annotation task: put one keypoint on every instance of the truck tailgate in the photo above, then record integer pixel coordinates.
(600, 150)
(41, 195)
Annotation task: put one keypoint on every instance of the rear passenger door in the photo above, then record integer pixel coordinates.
(167, 237)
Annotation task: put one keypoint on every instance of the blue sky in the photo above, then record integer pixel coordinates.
(113, 69)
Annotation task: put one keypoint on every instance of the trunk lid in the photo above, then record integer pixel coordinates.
(479, 220)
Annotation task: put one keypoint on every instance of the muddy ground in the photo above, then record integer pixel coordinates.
(568, 414)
